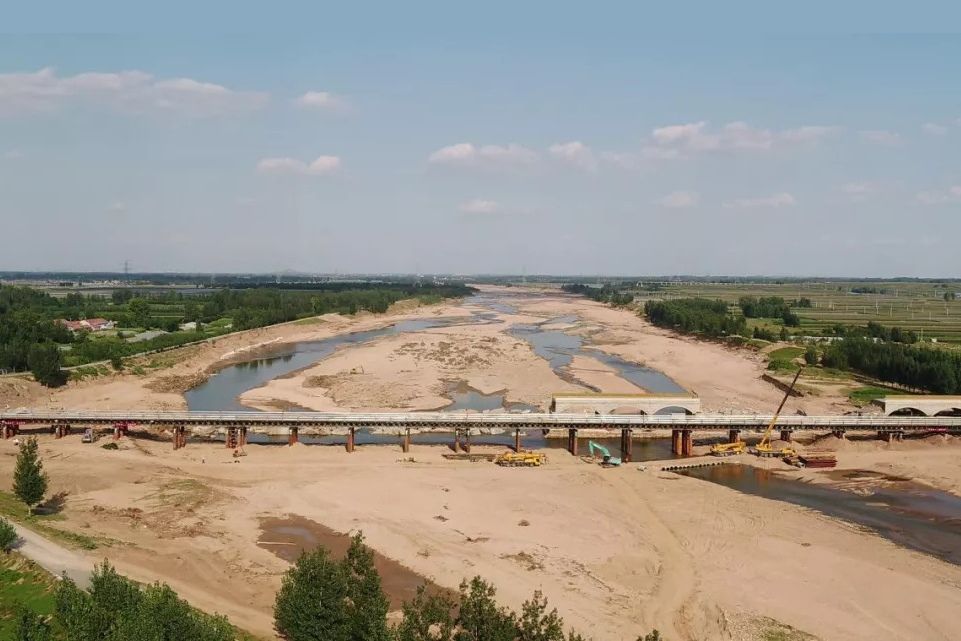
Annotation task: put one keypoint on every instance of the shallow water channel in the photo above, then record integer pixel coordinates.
(909, 514)
(221, 391)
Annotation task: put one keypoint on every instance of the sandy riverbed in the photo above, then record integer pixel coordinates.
(617, 551)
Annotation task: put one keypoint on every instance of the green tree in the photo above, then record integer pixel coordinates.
(537, 624)
(139, 310)
(311, 604)
(427, 618)
(44, 361)
(811, 355)
(117, 609)
(479, 617)
(8, 535)
(653, 635)
(29, 479)
(368, 605)
(31, 626)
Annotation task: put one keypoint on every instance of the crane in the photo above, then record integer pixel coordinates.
(764, 448)
(606, 459)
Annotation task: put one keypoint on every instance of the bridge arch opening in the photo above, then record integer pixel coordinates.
(627, 409)
(954, 411)
(674, 409)
(907, 411)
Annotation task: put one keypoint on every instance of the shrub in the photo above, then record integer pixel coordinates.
(8, 536)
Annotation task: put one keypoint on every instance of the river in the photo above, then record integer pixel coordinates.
(907, 513)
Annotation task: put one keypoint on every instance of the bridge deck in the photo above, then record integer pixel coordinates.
(458, 420)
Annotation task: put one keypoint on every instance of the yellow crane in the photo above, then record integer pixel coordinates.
(764, 447)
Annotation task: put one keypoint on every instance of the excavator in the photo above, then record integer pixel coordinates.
(728, 449)
(764, 447)
(606, 459)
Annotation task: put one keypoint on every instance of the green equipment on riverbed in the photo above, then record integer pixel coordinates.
(606, 459)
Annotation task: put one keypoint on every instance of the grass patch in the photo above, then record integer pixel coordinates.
(186, 494)
(864, 395)
(772, 630)
(782, 366)
(785, 353)
(22, 582)
(12, 508)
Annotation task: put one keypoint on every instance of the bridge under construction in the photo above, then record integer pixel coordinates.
(235, 426)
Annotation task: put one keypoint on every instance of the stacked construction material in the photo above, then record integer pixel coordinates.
(818, 459)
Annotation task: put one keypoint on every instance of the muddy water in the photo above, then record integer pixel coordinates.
(291, 536)
(559, 349)
(901, 511)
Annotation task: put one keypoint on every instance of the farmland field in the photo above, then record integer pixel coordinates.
(917, 306)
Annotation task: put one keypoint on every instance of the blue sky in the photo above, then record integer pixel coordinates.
(460, 143)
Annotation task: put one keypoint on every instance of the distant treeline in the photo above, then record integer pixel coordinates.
(768, 307)
(608, 293)
(30, 336)
(932, 370)
(695, 316)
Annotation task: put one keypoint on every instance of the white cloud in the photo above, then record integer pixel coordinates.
(127, 91)
(467, 154)
(118, 207)
(321, 166)
(934, 129)
(940, 197)
(675, 140)
(679, 200)
(319, 100)
(480, 206)
(782, 199)
(881, 137)
(12, 154)
(576, 153)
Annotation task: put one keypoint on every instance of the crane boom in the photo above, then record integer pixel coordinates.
(765, 444)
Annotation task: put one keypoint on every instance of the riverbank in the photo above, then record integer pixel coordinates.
(619, 552)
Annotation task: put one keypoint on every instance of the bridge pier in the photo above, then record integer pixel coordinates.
(627, 442)
(180, 437)
(61, 430)
(456, 444)
(351, 436)
(838, 433)
(467, 440)
(517, 440)
(292, 436)
(242, 436)
(676, 442)
(687, 442)
(120, 429)
(733, 436)
(230, 442)
(9, 429)
(572, 441)
(786, 436)
(405, 441)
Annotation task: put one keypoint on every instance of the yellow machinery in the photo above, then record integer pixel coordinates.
(764, 448)
(524, 458)
(728, 449)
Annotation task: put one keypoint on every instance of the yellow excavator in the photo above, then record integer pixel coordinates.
(764, 447)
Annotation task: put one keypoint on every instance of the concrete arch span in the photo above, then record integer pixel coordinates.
(921, 405)
(679, 403)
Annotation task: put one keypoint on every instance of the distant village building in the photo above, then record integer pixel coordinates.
(90, 324)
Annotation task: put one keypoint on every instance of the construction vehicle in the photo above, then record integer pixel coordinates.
(764, 447)
(88, 436)
(525, 458)
(728, 449)
(606, 459)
